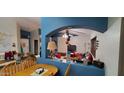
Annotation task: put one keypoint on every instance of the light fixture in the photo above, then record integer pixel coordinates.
(65, 36)
(51, 46)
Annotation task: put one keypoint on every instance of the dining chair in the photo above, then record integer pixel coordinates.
(19, 67)
(28, 62)
(67, 70)
(24, 64)
(1, 67)
(32, 61)
(8, 69)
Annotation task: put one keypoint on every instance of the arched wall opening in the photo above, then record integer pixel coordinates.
(51, 25)
(108, 52)
(80, 37)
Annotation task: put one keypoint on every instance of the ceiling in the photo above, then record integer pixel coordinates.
(77, 32)
(29, 23)
(33, 23)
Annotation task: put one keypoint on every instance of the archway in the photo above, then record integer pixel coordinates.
(80, 39)
(52, 24)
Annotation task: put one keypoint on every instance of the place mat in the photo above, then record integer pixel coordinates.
(36, 74)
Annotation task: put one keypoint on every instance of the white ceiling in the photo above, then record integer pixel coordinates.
(77, 31)
(29, 23)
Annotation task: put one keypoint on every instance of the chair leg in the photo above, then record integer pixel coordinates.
(67, 70)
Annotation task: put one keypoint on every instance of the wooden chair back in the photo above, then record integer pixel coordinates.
(8, 69)
(12, 68)
(28, 62)
(19, 67)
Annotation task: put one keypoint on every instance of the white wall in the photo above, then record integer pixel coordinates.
(81, 43)
(11, 29)
(8, 26)
(62, 47)
(108, 50)
(18, 37)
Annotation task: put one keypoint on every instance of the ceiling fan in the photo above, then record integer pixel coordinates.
(67, 34)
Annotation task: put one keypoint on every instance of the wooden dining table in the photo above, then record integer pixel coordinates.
(51, 70)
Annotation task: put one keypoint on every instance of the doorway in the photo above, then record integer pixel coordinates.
(36, 47)
(93, 46)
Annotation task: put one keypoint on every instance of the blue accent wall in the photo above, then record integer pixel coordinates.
(75, 69)
(50, 24)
